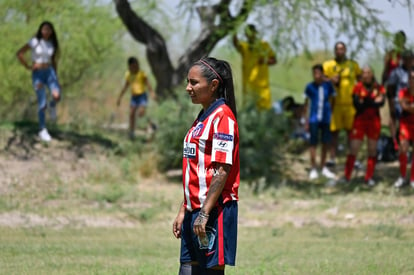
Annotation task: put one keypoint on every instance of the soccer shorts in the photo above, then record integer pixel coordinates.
(363, 127)
(323, 129)
(222, 230)
(342, 117)
(406, 131)
(139, 100)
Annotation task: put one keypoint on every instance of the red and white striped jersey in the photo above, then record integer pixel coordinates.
(213, 137)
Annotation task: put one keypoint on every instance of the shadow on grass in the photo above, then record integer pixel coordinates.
(326, 187)
(24, 138)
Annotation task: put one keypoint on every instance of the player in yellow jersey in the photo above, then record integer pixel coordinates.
(138, 81)
(256, 55)
(344, 74)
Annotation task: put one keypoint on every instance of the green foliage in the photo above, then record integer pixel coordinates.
(261, 145)
(261, 138)
(87, 33)
(175, 118)
(293, 24)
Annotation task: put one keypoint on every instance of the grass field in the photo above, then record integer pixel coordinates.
(77, 207)
(149, 249)
(92, 202)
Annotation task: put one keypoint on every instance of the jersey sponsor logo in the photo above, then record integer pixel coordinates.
(189, 150)
(198, 130)
(222, 146)
(223, 136)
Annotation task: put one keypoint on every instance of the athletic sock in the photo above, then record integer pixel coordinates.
(188, 269)
(403, 164)
(349, 165)
(370, 167)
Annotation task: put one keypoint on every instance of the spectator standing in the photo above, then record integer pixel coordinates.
(397, 81)
(257, 56)
(368, 97)
(406, 98)
(343, 73)
(392, 58)
(45, 50)
(319, 93)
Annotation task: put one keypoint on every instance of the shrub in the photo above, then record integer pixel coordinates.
(261, 139)
(262, 145)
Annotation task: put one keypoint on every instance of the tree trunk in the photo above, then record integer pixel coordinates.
(166, 75)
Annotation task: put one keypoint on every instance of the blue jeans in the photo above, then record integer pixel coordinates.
(40, 79)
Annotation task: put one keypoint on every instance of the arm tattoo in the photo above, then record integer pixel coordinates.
(219, 179)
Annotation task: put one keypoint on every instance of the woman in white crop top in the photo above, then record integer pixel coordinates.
(44, 47)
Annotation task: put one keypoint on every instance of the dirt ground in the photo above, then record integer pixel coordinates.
(27, 165)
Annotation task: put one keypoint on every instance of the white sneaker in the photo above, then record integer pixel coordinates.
(313, 174)
(358, 165)
(371, 182)
(412, 184)
(44, 135)
(328, 174)
(52, 113)
(399, 183)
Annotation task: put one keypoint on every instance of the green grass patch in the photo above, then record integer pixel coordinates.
(151, 249)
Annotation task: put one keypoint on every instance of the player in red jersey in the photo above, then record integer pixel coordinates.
(368, 97)
(406, 98)
(392, 58)
(207, 219)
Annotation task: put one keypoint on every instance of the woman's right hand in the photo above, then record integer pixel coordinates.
(177, 225)
(178, 222)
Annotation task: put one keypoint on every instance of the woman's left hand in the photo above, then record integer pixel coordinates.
(199, 226)
(379, 99)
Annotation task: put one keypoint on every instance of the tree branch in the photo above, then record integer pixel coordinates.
(156, 49)
(210, 33)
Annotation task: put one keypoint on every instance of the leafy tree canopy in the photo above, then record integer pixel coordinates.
(290, 24)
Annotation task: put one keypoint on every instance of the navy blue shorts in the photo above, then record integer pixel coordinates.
(139, 100)
(222, 224)
(319, 128)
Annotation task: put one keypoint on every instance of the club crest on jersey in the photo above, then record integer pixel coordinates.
(197, 130)
(189, 150)
(222, 136)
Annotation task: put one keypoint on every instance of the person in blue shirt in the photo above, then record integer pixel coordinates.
(319, 94)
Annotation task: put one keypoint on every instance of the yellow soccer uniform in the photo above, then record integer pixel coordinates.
(343, 110)
(137, 82)
(256, 76)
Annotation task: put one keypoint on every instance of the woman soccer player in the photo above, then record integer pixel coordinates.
(406, 98)
(368, 97)
(207, 219)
